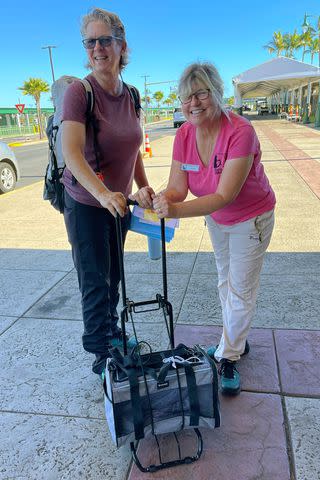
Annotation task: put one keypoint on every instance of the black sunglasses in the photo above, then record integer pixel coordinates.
(90, 43)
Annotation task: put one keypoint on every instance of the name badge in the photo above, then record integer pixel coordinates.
(189, 167)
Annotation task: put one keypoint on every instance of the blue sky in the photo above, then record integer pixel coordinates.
(163, 37)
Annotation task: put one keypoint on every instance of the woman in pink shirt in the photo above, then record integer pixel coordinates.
(217, 157)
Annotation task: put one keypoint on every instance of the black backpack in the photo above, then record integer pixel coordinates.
(53, 187)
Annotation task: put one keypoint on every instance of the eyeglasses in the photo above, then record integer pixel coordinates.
(200, 95)
(90, 43)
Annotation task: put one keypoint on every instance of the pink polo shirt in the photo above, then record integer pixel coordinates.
(236, 139)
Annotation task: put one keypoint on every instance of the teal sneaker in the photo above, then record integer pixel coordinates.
(212, 350)
(230, 378)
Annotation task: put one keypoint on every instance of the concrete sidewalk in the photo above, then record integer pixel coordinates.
(52, 423)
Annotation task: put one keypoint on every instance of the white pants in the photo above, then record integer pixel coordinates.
(239, 250)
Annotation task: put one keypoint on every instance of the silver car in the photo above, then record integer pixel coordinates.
(178, 117)
(9, 169)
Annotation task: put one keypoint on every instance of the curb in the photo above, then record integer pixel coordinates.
(15, 144)
(19, 144)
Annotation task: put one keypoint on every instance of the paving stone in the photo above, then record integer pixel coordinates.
(303, 414)
(35, 259)
(284, 301)
(258, 369)
(20, 289)
(292, 263)
(64, 302)
(205, 264)
(45, 369)
(299, 361)
(43, 447)
(249, 446)
(201, 305)
(6, 322)
(181, 262)
(61, 302)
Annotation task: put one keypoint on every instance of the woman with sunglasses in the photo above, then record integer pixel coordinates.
(102, 160)
(217, 156)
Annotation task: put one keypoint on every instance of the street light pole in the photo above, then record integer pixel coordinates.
(49, 47)
(305, 28)
(145, 90)
(317, 119)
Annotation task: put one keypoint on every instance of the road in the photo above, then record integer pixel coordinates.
(33, 158)
(160, 129)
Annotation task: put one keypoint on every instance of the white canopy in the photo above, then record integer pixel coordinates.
(276, 75)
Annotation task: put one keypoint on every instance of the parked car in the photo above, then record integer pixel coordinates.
(263, 108)
(9, 169)
(178, 117)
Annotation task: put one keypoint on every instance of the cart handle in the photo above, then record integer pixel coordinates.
(120, 254)
(163, 251)
(131, 202)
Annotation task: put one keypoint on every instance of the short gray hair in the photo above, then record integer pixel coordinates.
(114, 22)
(206, 75)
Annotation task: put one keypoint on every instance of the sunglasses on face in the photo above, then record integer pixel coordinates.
(90, 43)
(200, 95)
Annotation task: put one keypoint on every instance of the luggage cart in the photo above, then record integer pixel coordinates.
(160, 303)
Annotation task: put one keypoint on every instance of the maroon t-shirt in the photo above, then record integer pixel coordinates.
(119, 138)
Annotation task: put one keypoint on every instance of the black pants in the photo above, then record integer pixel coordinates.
(92, 234)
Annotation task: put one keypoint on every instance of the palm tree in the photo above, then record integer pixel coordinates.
(286, 42)
(306, 39)
(168, 101)
(317, 33)
(34, 87)
(277, 44)
(158, 96)
(173, 96)
(146, 100)
(292, 43)
(313, 48)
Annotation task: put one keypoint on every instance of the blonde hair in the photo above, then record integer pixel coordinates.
(205, 75)
(114, 22)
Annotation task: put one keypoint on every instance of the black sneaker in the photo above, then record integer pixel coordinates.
(230, 378)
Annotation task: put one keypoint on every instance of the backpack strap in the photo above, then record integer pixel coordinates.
(90, 118)
(90, 96)
(134, 93)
